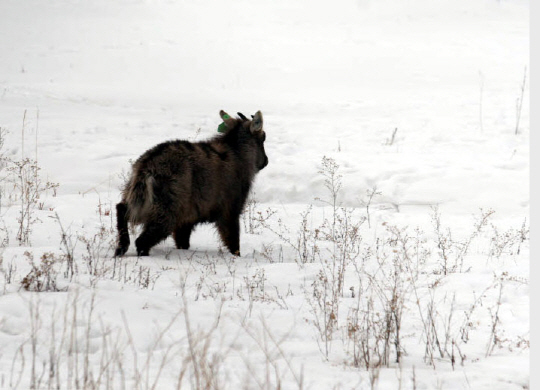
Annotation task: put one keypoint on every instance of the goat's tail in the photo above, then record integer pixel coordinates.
(139, 198)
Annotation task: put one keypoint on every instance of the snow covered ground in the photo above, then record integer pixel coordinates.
(85, 87)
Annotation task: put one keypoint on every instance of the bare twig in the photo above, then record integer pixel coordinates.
(519, 100)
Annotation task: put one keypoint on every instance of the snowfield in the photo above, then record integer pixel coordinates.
(385, 246)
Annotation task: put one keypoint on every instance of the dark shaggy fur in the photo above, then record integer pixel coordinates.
(178, 184)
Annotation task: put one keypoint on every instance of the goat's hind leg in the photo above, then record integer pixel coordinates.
(153, 233)
(122, 226)
(182, 235)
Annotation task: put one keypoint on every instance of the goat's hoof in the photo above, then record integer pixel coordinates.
(143, 252)
(120, 251)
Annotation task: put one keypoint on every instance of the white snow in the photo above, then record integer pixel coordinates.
(87, 86)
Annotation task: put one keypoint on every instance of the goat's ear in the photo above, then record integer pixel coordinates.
(257, 122)
(224, 115)
(228, 122)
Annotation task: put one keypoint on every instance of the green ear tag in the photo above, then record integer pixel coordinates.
(222, 128)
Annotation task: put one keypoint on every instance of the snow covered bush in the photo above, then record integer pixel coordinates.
(43, 275)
